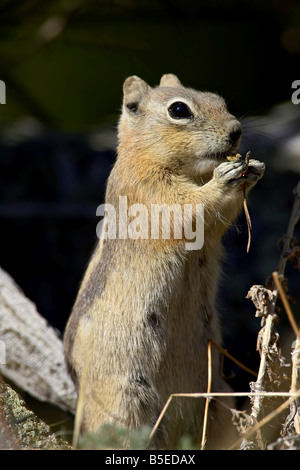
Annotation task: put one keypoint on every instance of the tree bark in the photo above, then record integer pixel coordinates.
(31, 351)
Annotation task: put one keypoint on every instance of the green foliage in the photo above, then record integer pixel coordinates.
(110, 436)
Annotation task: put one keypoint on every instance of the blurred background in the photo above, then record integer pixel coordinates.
(63, 63)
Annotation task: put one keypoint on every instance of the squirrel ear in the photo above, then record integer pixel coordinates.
(169, 79)
(135, 90)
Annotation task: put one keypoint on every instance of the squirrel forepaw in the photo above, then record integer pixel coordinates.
(238, 172)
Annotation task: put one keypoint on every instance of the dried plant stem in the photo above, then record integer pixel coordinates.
(265, 302)
(295, 383)
(264, 347)
(209, 380)
(239, 157)
(267, 347)
(286, 304)
(292, 396)
(266, 419)
(155, 427)
(249, 225)
(208, 395)
(248, 220)
(232, 358)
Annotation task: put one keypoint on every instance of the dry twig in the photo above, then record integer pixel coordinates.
(247, 158)
(209, 379)
(271, 374)
(295, 381)
(208, 395)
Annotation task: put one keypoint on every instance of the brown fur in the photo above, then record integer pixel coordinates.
(146, 308)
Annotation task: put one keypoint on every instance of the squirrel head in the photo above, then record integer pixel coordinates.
(172, 121)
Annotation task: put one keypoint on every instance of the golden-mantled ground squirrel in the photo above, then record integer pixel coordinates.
(145, 311)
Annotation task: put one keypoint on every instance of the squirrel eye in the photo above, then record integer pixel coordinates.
(179, 110)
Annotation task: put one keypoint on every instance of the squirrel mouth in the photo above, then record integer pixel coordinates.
(221, 155)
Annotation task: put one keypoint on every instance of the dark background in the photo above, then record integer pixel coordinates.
(64, 63)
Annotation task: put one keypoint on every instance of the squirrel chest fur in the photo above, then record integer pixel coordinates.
(145, 311)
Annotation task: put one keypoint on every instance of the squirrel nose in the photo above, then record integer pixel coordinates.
(235, 133)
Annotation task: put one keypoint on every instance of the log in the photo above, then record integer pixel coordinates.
(20, 428)
(31, 351)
